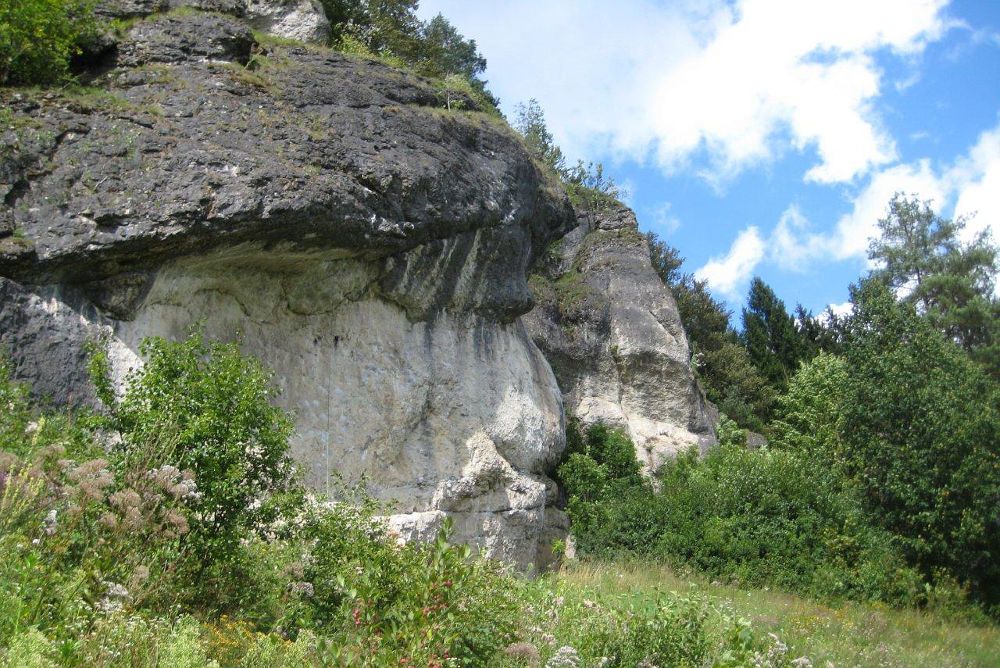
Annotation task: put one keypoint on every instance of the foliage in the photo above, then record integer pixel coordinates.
(207, 409)
(770, 336)
(585, 183)
(39, 37)
(755, 517)
(922, 428)
(391, 29)
(810, 416)
(922, 258)
(529, 121)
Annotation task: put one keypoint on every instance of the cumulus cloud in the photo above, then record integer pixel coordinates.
(976, 178)
(703, 79)
(729, 274)
(968, 187)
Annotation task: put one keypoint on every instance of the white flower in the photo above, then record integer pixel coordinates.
(51, 522)
(565, 657)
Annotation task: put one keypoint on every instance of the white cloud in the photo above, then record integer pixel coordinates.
(968, 187)
(730, 273)
(976, 179)
(842, 309)
(855, 229)
(663, 219)
(738, 83)
(791, 244)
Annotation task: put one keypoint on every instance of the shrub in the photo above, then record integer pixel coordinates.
(384, 600)
(38, 38)
(754, 517)
(205, 408)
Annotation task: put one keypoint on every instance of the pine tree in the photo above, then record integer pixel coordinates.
(950, 283)
(770, 337)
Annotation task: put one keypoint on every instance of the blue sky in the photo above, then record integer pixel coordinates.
(762, 137)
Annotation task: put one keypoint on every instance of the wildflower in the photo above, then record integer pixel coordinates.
(549, 638)
(303, 589)
(523, 651)
(177, 521)
(140, 575)
(51, 521)
(115, 590)
(126, 500)
(802, 662)
(565, 657)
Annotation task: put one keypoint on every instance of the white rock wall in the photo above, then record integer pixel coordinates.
(455, 415)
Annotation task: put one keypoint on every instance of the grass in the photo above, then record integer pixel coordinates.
(851, 634)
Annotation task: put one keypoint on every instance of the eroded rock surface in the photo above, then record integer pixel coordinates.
(611, 331)
(370, 246)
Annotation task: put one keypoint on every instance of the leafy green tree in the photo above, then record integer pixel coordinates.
(445, 51)
(529, 121)
(810, 415)
(770, 336)
(391, 28)
(922, 438)
(39, 37)
(950, 283)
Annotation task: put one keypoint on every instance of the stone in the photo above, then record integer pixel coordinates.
(302, 20)
(186, 37)
(611, 331)
(368, 245)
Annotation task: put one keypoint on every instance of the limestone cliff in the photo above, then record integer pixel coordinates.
(611, 331)
(370, 246)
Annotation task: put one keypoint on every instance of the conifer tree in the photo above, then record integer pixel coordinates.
(950, 283)
(769, 335)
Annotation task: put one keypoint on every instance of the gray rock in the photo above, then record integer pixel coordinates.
(370, 247)
(177, 39)
(612, 333)
(303, 20)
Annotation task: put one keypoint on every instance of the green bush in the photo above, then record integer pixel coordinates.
(38, 38)
(754, 517)
(381, 600)
(205, 408)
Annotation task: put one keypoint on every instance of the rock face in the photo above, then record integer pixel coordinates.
(302, 20)
(611, 331)
(370, 246)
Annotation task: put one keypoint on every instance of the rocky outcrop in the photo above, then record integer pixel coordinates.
(611, 331)
(368, 245)
(302, 20)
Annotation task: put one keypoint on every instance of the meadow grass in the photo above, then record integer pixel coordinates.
(847, 634)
